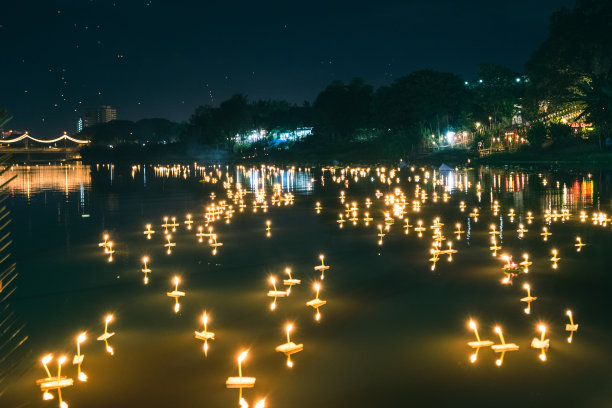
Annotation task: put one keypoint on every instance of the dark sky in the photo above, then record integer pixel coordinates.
(162, 58)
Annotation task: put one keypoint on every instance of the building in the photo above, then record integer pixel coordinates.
(101, 114)
(79, 125)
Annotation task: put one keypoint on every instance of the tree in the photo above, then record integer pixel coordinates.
(234, 118)
(341, 108)
(418, 105)
(536, 135)
(574, 65)
(498, 95)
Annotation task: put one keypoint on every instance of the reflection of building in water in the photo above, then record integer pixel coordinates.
(261, 178)
(36, 179)
(509, 182)
(576, 196)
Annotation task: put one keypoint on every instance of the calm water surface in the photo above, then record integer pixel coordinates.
(393, 331)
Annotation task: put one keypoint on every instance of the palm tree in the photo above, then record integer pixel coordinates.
(596, 95)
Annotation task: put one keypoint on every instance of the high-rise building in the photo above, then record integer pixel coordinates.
(101, 114)
(79, 125)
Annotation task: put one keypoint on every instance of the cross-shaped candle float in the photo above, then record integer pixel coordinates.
(554, 259)
(205, 335)
(579, 244)
(322, 268)
(316, 303)
(51, 383)
(106, 335)
(494, 247)
(367, 219)
(458, 230)
(78, 358)
(407, 226)
(214, 244)
(240, 382)
(275, 293)
(148, 231)
(511, 215)
(474, 214)
(541, 343)
(420, 228)
(188, 222)
(341, 220)
(571, 327)
(528, 299)
(478, 343)
(290, 347)
(176, 294)
(145, 269)
(503, 347)
(510, 269)
(169, 244)
(380, 234)
(290, 282)
(525, 263)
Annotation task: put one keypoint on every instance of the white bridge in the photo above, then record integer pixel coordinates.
(41, 145)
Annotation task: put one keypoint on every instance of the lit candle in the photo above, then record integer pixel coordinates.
(571, 327)
(78, 359)
(579, 244)
(322, 267)
(176, 294)
(289, 348)
(240, 381)
(316, 303)
(106, 335)
(205, 335)
(528, 299)
(145, 269)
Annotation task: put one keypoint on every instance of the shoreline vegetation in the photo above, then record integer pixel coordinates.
(361, 153)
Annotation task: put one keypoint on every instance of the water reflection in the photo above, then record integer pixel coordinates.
(380, 278)
(37, 179)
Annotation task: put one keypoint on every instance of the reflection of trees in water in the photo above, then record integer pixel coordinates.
(12, 335)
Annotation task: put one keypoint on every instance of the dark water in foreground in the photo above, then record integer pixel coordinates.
(393, 332)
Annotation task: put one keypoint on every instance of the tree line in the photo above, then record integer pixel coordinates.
(571, 69)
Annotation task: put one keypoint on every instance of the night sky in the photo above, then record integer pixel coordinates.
(162, 58)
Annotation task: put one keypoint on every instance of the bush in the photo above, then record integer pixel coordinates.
(536, 135)
(561, 134)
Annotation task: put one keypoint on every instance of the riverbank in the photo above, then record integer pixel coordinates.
(574, 156)
(365, 153)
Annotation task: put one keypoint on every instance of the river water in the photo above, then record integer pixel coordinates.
(393, 331)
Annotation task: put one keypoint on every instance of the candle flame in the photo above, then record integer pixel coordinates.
(242, 356)
(46, 359)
